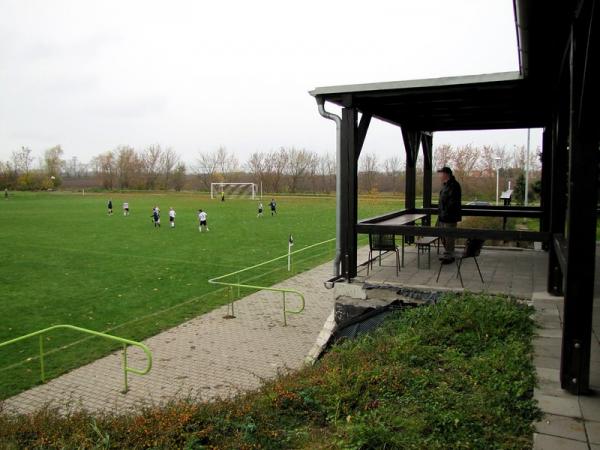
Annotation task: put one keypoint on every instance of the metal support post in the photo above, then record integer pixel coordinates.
(42, 370)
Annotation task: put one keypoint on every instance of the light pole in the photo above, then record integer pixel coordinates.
(497, 159)
(527, 168)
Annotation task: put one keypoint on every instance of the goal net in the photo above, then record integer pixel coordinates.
(238, 190)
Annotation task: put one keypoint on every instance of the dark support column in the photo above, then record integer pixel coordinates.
(545, 197)
(558, 186)
(363, 127)
(349, 197)
(581, 213)
(412, 140)
(427, 143)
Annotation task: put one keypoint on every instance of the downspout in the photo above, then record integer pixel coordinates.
(338, 183)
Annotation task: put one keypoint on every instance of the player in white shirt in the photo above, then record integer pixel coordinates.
(202, 219)
(125, 208)
(260, 210)
(172, 217)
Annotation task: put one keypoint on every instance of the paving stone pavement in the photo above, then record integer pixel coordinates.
(570, 421)
(207, 357)
(518, 272)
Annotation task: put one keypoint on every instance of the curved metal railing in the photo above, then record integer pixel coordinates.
(284, 291)
(125, 342)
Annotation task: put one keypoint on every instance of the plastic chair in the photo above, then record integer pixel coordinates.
(383, 243)
(472, 250)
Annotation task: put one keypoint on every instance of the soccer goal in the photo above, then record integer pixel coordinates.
(239, 190)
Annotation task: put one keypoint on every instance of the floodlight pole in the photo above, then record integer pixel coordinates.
(497, 176)
(527, 168)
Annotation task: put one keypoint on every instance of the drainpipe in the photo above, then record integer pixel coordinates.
(338, 183)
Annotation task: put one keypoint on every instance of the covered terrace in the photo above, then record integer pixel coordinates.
(555, 89)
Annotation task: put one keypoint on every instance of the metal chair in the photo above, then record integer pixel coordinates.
(472, 250)
(383, 243)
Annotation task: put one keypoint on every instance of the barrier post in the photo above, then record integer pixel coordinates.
(125, 368)
(284, 317)
(42, 371)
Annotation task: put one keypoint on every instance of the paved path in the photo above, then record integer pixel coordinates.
(206, 357)
(570, 422)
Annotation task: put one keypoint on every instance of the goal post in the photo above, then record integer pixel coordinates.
(241, 190)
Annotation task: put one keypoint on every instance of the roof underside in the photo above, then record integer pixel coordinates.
(458, 103)
(489, 101)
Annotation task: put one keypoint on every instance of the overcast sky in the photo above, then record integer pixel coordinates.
(194, 75)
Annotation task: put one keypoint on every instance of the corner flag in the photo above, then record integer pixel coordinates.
(290, 243)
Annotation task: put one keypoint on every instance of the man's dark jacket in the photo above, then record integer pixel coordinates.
(450, 198)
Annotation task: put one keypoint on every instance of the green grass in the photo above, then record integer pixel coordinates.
(65, 261)
(456, 375)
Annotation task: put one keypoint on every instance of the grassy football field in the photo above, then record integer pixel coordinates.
(64, 260)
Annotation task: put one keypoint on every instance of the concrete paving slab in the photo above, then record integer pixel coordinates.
(562, 406)
(590, 407)
(593, 431)
(561, 426)
(547, 442)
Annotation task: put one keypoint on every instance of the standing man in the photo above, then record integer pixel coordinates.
(172, 217)
(260, 210)
(449, 213)
(202, 220)
(273, 207)
(6, 193)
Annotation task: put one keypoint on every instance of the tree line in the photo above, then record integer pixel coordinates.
(287, 169)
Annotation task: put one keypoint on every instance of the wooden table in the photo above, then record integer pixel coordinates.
(406, 219)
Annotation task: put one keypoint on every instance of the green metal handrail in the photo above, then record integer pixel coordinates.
(284, 291)
(123, 341)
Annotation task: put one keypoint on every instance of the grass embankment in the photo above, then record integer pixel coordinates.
(454, 375)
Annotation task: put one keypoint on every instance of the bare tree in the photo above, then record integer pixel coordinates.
(298, 163)
(168, 161)
(257, 166)
(443, 156)
(150, 161)
(8, 175)
(465, 160)
(279, 161)
(226, 161)
(53, 162)
(72, 167)
(326, 172)
(207, 168)
(391, 167)
(519, 159)
(368, 169)
(216, 166)
(22, 160)
(105, 166)
(178, 178)
(128, 166)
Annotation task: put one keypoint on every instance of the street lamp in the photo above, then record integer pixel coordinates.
(527, 168)
(497, 159)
